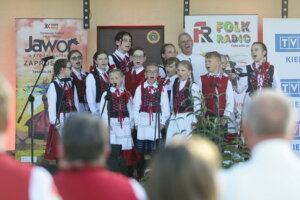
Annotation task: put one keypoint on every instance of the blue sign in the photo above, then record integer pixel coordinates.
(291, 87)
(287, 42)
(297, 134)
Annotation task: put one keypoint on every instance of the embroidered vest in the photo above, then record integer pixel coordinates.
(252, 80)
(209, 86)
(150, 101)
(182, 98)
(101, 85)
(67, 104)
(80, 86)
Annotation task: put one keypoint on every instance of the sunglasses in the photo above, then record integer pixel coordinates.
(76, 58)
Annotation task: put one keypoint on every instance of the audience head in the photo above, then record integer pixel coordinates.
(177, 174)
(171, 66)
(185, 43)
(203, 148)
(123, 40)
(116, 76)
(62, 69)
(184, 70)
(5, 93)
(84, 141)
(168, 50)
(100, 60)
(138, 57)
(151, 73)
(213, 62)
(75, 58)
(268, 115)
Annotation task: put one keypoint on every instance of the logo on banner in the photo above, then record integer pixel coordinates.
(51, 26)
(153, 37)
(291, 87)
(202, 31)
(287, 42)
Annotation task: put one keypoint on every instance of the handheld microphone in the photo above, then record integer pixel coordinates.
(112, 85)
(247, 74)
(65, 79)
(47, 58)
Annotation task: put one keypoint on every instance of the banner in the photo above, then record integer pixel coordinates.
(282, 38)
(36, 39)
(231, 35)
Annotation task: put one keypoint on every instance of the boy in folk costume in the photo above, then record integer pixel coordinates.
(120, 58)
(136, 75)
(185, 98)
(62, 100)
(79, 76)
(215, 86)
(121, 119)
(97, 81)
(151, 111)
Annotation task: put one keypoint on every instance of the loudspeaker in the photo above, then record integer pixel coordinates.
(86, 14)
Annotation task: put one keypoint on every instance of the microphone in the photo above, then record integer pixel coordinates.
(112, 85)
(247, 74)
(65, 79)
(47, 58)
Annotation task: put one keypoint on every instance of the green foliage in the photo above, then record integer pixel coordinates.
(212, 127)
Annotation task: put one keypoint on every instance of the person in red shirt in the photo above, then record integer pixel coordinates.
(20, 181)
(84, 150)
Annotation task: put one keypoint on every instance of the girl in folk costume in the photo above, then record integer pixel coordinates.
(261, 73)
(120, 119)
(120, 58)
(62, 100)
(79, 76)
(97, 81)
(185, 98)
(151, 111)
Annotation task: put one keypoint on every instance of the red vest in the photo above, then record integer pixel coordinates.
(15, 178)
(133, 81)
(150, 101)
(80, 87)
(93, 183)
(209, 86)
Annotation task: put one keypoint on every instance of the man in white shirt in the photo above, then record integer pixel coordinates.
(185, 43)
(273, 171)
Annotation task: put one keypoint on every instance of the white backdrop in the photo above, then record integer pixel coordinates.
(228, 34)
(282, 37)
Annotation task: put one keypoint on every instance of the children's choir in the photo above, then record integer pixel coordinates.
(139, 102)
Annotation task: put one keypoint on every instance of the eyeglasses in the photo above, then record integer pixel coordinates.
(152, 72)
(138, 57)
(76, 58)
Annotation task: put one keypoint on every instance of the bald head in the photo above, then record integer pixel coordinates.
(270, 114)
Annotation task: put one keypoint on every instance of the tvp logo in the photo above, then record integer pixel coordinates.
(291, 87)
(202, 31)
(287, 42)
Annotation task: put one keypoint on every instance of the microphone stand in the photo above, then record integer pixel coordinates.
(31, 100)
(108, 101)
(57, 117)
(157, 115)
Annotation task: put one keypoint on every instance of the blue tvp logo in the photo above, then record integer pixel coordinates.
(291, 87)
(287, 42)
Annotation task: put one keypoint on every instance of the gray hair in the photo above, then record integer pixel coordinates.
(84, 137)
(270, 113)
(183, 34)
